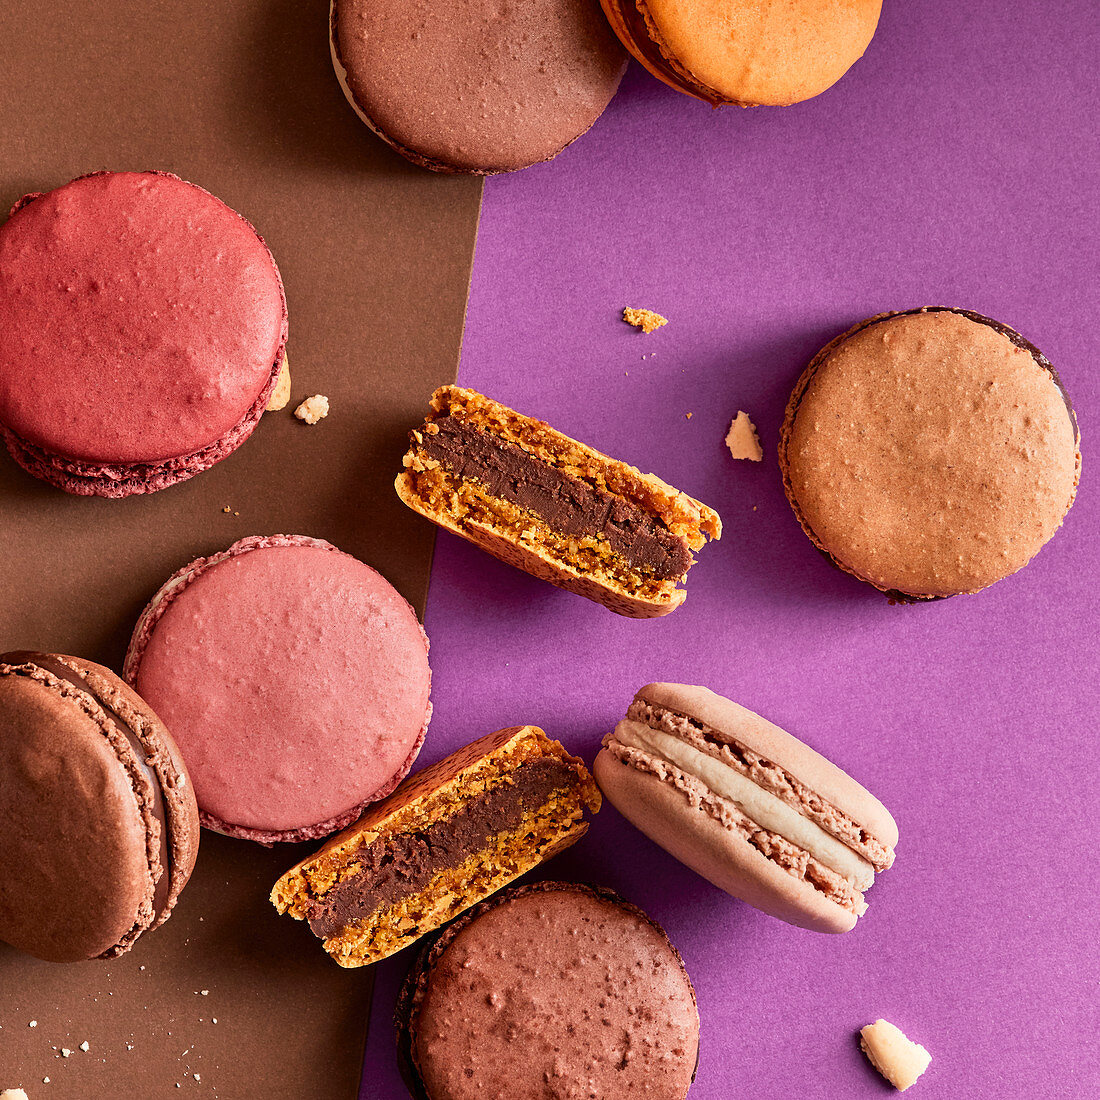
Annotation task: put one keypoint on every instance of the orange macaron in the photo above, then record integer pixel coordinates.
(746, 54)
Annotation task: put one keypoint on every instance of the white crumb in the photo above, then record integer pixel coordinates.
(742, 440)
(85, 1047)
(897, 1058)
(312, 409)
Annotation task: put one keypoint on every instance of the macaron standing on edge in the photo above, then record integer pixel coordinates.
(454, 89)
(555, 982)
(930, 453)
(100, 826)
(747, 806)
(142, 329)
(295, 679)
(742, 53)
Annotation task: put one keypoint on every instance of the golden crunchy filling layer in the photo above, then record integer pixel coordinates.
(451, 891)
(465, 501)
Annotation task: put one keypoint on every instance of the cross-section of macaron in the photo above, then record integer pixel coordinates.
(295, 679)
(553, 507)
(98, 824)
(746, 805)
(447, 838)
(142, 328)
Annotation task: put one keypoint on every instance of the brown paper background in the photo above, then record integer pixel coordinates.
(238, 96)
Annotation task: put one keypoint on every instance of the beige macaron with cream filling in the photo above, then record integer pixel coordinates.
(747, 806)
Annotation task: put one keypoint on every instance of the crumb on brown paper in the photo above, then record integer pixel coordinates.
(742, 440)
(645, 319)
(85, 1047)
(897, 1058)
(312, 409)
(280, 395)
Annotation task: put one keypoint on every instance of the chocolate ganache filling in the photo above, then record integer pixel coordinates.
(396, 867)
(565, 503)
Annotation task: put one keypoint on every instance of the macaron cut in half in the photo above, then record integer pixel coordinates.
(294, 678)
(98, 825)
(551, 990)
(930, 452)
(553, 507)
(744, 52)
(447, 838)
(747, 806)
(142, 329)
(455, 86)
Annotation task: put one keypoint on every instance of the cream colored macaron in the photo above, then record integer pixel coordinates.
(747, 806)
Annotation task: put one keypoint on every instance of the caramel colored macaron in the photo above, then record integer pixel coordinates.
(551, 990)
(931, 452)
(447, 838)
(742, 53)
(98, 824)
(457, 87)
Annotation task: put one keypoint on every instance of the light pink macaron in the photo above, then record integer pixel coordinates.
(747, 806)
(294, 679)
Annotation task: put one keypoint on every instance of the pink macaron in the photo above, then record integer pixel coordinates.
(142, 328)
(294, 679)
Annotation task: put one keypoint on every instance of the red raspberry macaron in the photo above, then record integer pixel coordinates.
(294, 679)
(142, 328)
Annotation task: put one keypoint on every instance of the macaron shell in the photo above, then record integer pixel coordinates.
(314, 684)
(171, 295)
(777, 53)
(74, 871)
(461, 86)
(822, 776)
(589, 983)
(718, 854)
(164, 757)
(929, 453)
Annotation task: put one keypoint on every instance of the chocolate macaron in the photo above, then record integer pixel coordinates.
(747, 806)
(555, 989)
(142, 328)
(447, 838)
(552, 506)
(294, 678)
(930, 453)
(457, 87)
(742, 52)
(98, 824)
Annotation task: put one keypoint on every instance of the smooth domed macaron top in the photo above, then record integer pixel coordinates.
(760, 54)
(140, 318)
(75, 876)
(294, 679)
(549, 988)
(477, 87)
(930, 453)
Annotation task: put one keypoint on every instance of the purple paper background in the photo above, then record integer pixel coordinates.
(957, 164)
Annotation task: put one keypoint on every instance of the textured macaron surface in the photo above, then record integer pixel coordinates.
(74, 857)
(140, 319)
(753, 53)
(293, 677)
(930, 453)
(560, 991)
(474, 86)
